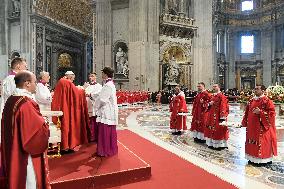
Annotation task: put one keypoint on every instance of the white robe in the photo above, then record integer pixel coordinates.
(93, 91)
(8, 88)
(43, 97)
(106, 108)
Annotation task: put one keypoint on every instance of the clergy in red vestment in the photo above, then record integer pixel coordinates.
(177, 106)
(24, 138)
(75, 120)
(8, 86)
(199, 113)
(259, 120)
(216, 134)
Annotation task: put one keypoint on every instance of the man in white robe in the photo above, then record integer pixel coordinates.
(8, 84)
(92, 91)
(43, 95)
(107, 116)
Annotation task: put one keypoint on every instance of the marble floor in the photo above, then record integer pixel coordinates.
(152, 123)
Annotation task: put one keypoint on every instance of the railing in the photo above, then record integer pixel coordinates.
(177, 20)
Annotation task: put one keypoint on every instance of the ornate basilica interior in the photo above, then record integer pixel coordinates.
(151, 44)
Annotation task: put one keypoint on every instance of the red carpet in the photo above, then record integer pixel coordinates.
(168, 170)
(84, 171)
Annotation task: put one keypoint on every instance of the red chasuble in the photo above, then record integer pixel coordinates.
(74, 122)
(199, 112)
(178, 105)
(261, 131)
(219, 109)
(24, 133)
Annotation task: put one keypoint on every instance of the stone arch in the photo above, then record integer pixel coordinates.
(182, 57)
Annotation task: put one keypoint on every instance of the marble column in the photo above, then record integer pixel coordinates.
(144, 45)
(166, 6)
(103, 32)
(266, 52)
(203, 67)
(238, 78)
(3, 39)
(181, 7)
(231, 58)
(25, 34)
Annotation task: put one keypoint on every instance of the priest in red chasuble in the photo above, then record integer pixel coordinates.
(178, 106)
(259, 120)
(75, 120)
(215, 133)
(24, 138)
(199, 113)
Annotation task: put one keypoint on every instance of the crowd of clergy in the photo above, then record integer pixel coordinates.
(90, 114)
(209, 122)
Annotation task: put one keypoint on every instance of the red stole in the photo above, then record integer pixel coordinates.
(178, 105)
(199, 111)
(261, 131)
(218, 110)
(24, 132)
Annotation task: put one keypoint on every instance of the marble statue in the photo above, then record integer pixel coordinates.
(121, 61)
(125, 69)
(172, 73)
(173, 6)
(16, 5)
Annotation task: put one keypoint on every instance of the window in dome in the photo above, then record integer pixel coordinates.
(247, 44)
(247, 5)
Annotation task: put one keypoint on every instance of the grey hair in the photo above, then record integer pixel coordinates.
(41, 74)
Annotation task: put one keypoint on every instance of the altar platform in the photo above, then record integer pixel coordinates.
(84, 170)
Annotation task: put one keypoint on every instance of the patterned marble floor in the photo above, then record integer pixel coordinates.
(154, 119)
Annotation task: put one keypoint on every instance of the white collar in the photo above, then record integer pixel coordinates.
(23, 92)
(258, 97)
(181, 93)
(216, 93)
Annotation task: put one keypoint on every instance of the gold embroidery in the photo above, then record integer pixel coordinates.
(14, 110)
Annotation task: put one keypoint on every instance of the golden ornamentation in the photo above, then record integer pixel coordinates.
(54, 150)
(64, 61)
(219, 161)
(252, 171)
(75, 13)
(58, 125)
(177, 52)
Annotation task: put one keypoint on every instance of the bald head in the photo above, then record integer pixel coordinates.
(26, 80)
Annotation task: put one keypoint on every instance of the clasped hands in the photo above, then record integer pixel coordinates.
(256, 110)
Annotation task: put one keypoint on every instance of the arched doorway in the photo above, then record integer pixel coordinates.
(64, 64)
(248, 78)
